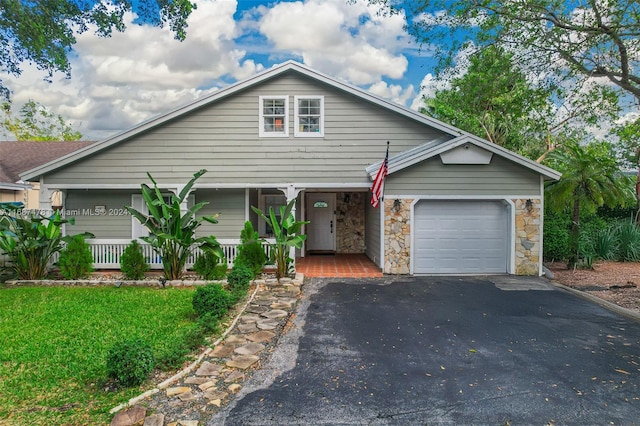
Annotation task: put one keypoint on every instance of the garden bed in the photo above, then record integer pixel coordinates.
(615, 282)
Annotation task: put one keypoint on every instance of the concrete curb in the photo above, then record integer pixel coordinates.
(605, 304)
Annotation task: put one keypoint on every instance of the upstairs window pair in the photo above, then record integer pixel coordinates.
(308, 116)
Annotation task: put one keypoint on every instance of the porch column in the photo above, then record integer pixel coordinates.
(291, 193)
(45, 198)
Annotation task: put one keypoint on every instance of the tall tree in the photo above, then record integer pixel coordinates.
(629, 135)
(494, 100)
(569, 38)
(43, 32)
(36, 123)
(590, 178)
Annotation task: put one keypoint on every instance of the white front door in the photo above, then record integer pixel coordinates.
(321, 232)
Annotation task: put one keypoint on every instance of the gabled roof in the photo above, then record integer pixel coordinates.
(438, 146)
(18, 157)
(229, 91)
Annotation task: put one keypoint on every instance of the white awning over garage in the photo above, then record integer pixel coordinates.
(461, 237)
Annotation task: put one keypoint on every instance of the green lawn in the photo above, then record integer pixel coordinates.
(54, 341)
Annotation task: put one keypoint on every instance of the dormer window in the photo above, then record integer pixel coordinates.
(309, 116)
(274, 116)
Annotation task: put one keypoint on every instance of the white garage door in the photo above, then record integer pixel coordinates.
(460, 237)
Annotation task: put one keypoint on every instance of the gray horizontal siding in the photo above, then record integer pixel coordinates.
(230, 204)
(114, 224)
(431, 177)
(223, 138)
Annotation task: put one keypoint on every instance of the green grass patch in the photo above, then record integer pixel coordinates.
(54, 341)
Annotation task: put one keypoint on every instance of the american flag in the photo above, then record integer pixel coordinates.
(376, 188)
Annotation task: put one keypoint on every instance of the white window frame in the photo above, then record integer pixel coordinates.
(296, 124)
(261, 131)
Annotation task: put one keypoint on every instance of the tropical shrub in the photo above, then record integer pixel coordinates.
(605, 243)
(132, 262)
(210, 267)
(628, 235)
(287, 234)
(30, 242)
(130, 362)
(76, 260)
(172, 231)
(211, 301)
(250, 252)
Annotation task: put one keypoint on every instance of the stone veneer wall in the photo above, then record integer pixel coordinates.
(397, 236)
(350, 222)
(527, 244)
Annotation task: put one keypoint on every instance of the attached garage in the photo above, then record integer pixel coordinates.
(462, 206)
(461, 237)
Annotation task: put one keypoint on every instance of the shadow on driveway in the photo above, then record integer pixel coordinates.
(452, 350)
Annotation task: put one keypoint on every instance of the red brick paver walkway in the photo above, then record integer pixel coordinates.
(337, 265)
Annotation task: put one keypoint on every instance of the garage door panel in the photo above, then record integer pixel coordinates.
(456, 236)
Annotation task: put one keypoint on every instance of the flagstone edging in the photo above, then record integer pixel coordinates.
(165, 384)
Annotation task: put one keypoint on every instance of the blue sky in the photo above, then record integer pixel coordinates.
(142, 72)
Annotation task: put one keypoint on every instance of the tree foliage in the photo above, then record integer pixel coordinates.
(43, 33)
(495, 101)
(591, 178)
(564, 39)
(36, 123)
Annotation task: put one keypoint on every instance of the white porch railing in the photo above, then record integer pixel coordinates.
(106, 253)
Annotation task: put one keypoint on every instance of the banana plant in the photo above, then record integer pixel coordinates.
(287, 233)
(172, 233)
(31, 241)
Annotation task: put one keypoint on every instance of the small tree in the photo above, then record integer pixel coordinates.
(286, 232)
(172, 232)
(30, 242)
(250, 252)
(76, 260)
(591, 178)
(132, 262)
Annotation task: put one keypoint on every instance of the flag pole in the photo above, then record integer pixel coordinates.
(377, 189)
(386, 159)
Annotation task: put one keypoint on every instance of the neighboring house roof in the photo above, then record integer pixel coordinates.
(18, 157)
(439, 146)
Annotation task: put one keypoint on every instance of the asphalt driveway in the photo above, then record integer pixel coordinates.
(455, 350)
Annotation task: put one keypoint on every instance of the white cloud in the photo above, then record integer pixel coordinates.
(349, 41)
(119, 81)
(393, 92)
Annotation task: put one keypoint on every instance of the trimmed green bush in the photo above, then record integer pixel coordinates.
(250, 252)
(239, 280)
(130, 362)
(76, 260)
(210, 266)
(132, 262)
(556, 236)
(211, 301)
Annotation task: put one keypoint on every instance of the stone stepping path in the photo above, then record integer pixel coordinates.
(191, 400)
